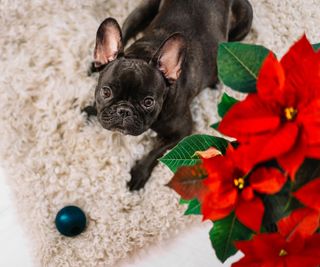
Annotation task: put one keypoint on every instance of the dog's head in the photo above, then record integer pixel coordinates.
(131, 92)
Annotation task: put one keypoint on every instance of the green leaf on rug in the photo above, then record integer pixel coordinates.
(239, 65)
(224, 233)
(215, 125)
(225, 104)
(316, 46)
(184, 201)
(194, 206)
(183, 154)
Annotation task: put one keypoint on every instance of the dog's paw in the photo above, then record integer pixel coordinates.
(139, 177)
(90, 111)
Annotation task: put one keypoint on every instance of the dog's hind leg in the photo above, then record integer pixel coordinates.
(139, 19)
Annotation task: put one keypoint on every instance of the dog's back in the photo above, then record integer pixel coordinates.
(204, 23)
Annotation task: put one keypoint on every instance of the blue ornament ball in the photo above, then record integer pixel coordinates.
(71, 221)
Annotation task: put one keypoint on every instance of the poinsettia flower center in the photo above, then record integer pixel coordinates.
(290, 113)
(283, 252)
(239, 182)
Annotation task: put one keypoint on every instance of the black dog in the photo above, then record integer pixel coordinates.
(152, 83)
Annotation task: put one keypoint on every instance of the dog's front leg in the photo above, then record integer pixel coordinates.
(168, 137)
(142, 170)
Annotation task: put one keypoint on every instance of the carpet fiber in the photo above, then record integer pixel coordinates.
(53, 157)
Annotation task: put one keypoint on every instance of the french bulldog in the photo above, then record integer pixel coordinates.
(150, 84)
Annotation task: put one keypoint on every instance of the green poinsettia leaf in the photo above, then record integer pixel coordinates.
(225, 104)
(275, 209)
(239, 65)
(276, 206)
(215, 125)
(224, 233)
(316, 46)
(309, 170)
(194, 206)
(184, 153)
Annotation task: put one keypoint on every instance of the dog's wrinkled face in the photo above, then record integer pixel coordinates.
(131, 92)
(129, 96)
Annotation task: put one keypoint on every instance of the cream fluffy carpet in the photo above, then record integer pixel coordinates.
(53, 157)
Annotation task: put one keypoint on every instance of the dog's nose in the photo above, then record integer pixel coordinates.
(124, 112)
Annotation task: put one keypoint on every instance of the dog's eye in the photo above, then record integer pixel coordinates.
(106, 92)
(148, 102)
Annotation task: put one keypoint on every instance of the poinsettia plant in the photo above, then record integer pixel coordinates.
(261, 191)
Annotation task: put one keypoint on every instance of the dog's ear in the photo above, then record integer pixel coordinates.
(108, 42)
(170, 56)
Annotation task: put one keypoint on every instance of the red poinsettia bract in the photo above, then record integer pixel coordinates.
(281, 120)
(309, 194)
(273, 250)
(232, 187)
(303, 221)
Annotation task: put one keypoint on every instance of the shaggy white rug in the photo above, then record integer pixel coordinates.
(53, 157)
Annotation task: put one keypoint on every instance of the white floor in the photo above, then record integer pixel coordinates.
(190, 249)
(12, 243)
